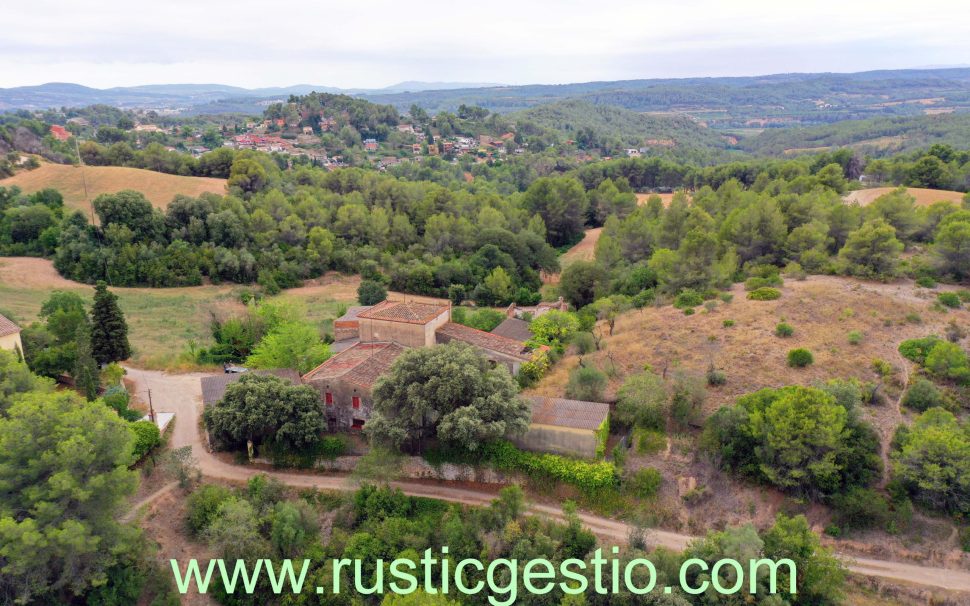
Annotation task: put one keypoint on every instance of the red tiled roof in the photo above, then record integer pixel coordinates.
(214, 387)
(485, 340)
(361, 364)
(399, 311)
(7, 327)
(568, 413)
(60, 133)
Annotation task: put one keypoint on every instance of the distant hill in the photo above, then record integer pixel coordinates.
(159, 188)
(663, 134)
(877, 136)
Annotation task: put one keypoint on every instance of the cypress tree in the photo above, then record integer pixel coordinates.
(86, 377)
(109, 331)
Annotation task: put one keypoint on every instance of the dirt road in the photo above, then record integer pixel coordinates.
(182, 394)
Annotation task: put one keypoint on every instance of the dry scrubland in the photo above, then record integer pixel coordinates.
(163, 321)
(159, 188)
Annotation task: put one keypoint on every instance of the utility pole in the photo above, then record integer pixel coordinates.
(151, 409)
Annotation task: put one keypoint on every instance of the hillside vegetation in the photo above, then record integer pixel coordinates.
(158, 188)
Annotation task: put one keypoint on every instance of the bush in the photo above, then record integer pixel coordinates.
(916, 350)
(882, 367)
(371, 292)
(800, 358)
(715, 376)
(948, 361)
(687, 398)
(644, 483)
(855, 337)
(147, 437)
(923, 394)
(954, 332)
(585, 342)
(586, 383)
(728, 323)
(756, 282)
(644, 298)
(203, 504)
(860, 509)
(764, 294)
(926, 282)
(783, 329)
(949, 299)
(641, 401)
(688, 298)
(589, 477)
(649, 441)
(688, 311)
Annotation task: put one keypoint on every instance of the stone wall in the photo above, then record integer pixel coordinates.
(416, 468)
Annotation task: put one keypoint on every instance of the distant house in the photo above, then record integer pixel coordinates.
(307, 130)
(370, 145)
(10, 337)
(569, 427)
(214, 387)
(415, 148)
(405, 128)
(633, 153)
(60, 133)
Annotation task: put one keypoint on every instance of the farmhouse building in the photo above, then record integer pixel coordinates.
(214, 387)
(10, 337)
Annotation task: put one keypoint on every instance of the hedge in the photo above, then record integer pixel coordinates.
(584, 475)
(765, 293)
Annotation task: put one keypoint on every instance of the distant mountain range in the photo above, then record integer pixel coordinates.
(169, 96)
(736, 104)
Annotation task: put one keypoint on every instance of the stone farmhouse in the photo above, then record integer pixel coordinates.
(369, 339)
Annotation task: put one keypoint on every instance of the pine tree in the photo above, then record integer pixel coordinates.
(86, 377)
(109, 331)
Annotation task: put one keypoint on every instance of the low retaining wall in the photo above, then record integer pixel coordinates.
(416, 468)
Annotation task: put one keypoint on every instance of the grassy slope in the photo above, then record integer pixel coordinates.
(162, 321)
(159, 188)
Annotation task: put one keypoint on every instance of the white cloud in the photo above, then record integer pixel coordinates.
(374, 43)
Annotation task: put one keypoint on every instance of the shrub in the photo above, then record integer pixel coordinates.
(649, 441)
(916, 350)
(948, 361)
(758, 282)
(644, 483)
(949, 299)
(203, 504)
(726, 297)
(925, 282)
(728, 323)
(585, 342)
(641, 401)
(644, 298)
(923, 394)
(587, 476)
(855, 337)
(688, 298)
(764, 294)
(688, 311)
(147, 437)
(715, 376)
(800, 358)
(784, 329)
(882, 367)
(586, 383)
(371, 292)
(860, 509)
(794, 271)
(914, 318)
(955, 332)
(687, 398)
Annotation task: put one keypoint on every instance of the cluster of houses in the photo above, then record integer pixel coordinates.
(368, 339)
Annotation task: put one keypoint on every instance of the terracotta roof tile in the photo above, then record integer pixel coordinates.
(485, 340)
(7, 327)
(360, 365)
(568, 413)
(400, 311)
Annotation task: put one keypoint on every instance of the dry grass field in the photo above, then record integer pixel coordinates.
(159, 188)
(924, 197)
(163, 322)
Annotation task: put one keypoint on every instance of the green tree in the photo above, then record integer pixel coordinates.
(579, 282)
(932, 461)
(266, 409)
(290, 345)
(642, 401)
(554, 327)
(449, 392)
(109, 331)
(87, 377)
(952, 247)
(872, 251)
(371, 292)
(562, 204)
(64, 470)
(820, 576)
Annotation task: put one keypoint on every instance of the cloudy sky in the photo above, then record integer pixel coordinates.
(375, 43)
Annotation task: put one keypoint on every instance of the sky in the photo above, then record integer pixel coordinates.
(376, 43)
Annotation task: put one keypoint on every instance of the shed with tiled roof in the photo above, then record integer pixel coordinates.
(569, 427)
(10, 336)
